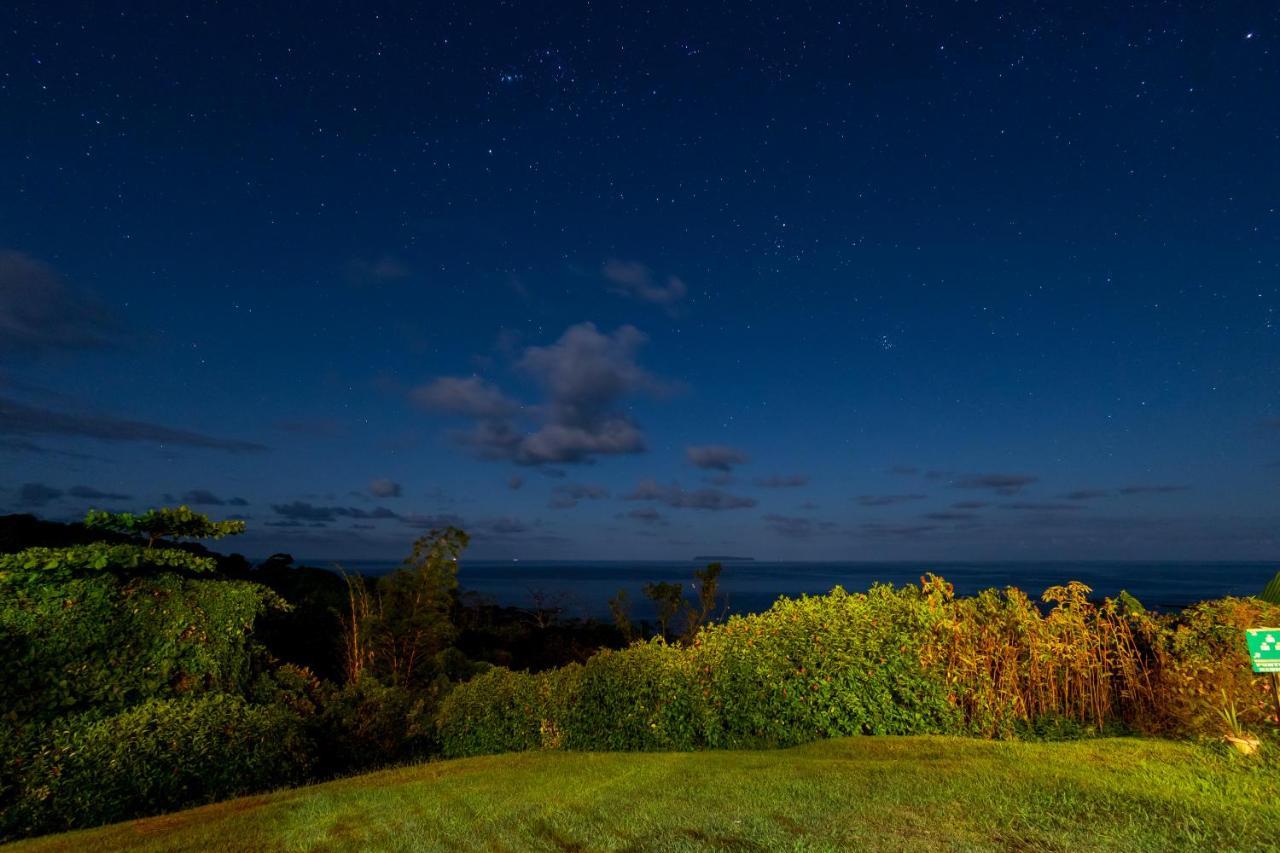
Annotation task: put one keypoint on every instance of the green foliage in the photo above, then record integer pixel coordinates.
(99, 644)
(667, 598)
(1202, 654)
(400, 630)
(620, 611)
(708, 584)
(502, 710)
(366, 724)
(890, 661)
(824, 666)
(159, 756)
(165, 523)
(1271, 593)
(40, 565)
(644, 697)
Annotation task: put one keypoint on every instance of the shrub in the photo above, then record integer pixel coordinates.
(823, 666)
(506, 711)
(890, 661)
(644, 697)
(160, 756)
(104, 642)
(1202, 656)
(367, 724)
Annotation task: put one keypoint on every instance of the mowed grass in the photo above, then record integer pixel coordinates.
(867, 793)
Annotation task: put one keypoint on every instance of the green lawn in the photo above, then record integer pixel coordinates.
(858, 793)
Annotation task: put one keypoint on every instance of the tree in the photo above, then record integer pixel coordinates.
(708, 583)
(667, 598)
(139, 551)
(165, 523)
(620, 607)
(99, 626)
(407, 621)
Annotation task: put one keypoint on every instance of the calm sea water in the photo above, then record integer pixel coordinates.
(584, 588)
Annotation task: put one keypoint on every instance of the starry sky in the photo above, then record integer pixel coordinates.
(795, 281)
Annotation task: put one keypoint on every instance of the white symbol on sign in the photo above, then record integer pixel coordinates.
(1270, 639)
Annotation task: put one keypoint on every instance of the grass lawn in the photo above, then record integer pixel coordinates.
(868, 793)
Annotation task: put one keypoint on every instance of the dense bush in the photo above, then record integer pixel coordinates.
(889, 661)
(366, 724)
(824, 666)
(1203, 656)
(104, 642)
(645, 697)
(506, 711)
(159, 756)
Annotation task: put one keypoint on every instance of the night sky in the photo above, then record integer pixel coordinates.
(877, 281)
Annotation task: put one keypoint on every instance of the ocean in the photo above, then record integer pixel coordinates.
(583, 588)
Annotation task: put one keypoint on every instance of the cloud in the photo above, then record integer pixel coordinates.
(427, 522)
(629, 278)
(304, 511)
(204, 497)
(645, 515)
(1151, 490)
(1087, 494)
(39, 313)
(1001, 484)
(796, 527)
(384, 270)
(680, 498)
(887, 500)
(948, 515)
(37, 494)
(1042, 506)
(584, 377)
(714, 457)
(20, 419)
(969, 505)
(382, 487)
(90, 493)
(17, 445)
(515, 483)
(778, 481)
(503, 526)
(568, 495)
(902, 531)
(470, 396)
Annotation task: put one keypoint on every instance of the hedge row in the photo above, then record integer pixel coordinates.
(913, 660)
(163, 755)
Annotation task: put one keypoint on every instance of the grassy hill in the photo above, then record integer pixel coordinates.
(857, 793)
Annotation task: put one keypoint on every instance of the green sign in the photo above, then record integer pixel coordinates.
(1264, 649)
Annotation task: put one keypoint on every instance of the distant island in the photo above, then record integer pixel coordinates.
(722, 558)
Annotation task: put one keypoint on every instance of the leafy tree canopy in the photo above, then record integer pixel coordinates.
(49, 564)
(165, 523)
(53, 563)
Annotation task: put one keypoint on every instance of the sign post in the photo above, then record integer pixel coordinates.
(1264, 655)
